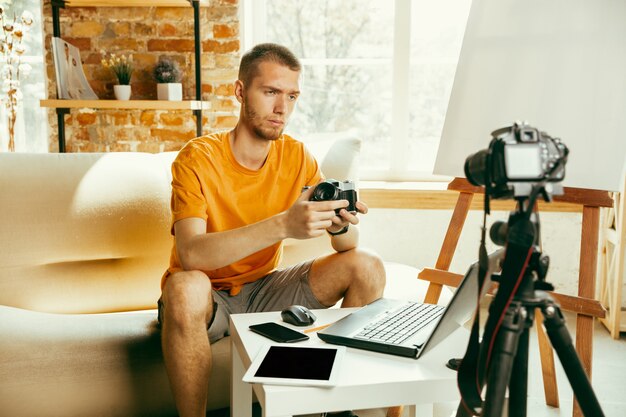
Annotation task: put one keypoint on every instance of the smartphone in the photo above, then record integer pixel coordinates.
(278, 333)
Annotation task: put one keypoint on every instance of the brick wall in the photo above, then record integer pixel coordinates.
(147, 33)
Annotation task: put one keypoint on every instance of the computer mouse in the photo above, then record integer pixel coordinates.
(298, 315)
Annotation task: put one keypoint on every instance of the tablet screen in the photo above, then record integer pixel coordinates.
(296, 365)
(299, 363)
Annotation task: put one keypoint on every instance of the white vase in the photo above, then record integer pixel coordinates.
(170, 91)
(122, 92)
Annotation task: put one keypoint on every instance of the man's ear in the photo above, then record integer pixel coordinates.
(239, 91)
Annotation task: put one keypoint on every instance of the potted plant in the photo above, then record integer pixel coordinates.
(122, 67)
(167, 75)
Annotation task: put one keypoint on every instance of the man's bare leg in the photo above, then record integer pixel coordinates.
(356, 275)
(187, 308)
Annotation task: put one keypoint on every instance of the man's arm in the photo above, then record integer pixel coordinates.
(305, 219)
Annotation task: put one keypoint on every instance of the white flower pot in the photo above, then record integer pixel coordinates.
(122, 92)
(170, 91)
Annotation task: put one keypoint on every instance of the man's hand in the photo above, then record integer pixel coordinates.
(346, 218)
(306, 219)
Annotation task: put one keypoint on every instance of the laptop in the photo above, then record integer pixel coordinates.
(409, 328)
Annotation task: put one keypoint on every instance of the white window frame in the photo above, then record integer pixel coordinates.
(253, 18)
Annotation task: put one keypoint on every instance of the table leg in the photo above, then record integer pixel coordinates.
(421, 410)
(240, 392)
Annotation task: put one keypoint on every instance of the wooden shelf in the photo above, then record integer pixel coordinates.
(62, 106)
(131, 3)
(127, 104)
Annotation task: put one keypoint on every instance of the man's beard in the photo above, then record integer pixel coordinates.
(267, 134)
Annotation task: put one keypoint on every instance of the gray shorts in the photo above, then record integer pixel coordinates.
(273, 292)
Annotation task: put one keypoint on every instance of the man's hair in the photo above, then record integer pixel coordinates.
(263, 52)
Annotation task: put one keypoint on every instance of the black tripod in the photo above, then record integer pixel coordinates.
(501, 359)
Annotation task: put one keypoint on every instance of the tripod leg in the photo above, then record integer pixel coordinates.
(518, 385)
(562, 343)
(501, 363)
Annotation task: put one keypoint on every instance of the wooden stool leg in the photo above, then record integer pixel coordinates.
(584, 347)
(450, 241)
(546, 355)
(433, 293)
(453, 233)
(586, 288)
(395, 411)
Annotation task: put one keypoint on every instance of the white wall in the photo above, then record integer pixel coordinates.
(560, 65)
(414, 237)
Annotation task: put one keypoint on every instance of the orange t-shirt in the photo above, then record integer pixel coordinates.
(207, 182)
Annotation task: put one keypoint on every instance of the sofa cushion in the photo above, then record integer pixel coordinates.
(87, 232)
(97, 365)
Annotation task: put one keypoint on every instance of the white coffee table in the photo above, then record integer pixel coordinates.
(367, 380)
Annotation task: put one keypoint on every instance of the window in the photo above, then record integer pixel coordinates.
(383, 69)
(31, 127)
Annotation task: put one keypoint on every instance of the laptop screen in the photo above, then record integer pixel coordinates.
(463, 303)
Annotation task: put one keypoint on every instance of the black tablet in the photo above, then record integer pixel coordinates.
(296, 365)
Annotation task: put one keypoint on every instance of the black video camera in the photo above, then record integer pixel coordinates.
(517, 154)
(335, 190)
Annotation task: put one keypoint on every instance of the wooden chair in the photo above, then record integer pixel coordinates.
(584, 305)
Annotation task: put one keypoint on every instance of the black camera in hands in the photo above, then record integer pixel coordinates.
(335, 190)
(517, 154)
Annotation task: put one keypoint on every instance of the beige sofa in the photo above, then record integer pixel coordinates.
(84, 241)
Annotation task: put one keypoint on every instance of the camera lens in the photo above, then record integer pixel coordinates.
(325, 191)
(476, 167)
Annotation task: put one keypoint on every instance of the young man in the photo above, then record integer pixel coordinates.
(235, 197)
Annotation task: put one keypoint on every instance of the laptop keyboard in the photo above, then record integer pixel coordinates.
(400, 324)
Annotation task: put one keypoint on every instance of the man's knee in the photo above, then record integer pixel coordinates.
(187, 298)
(368, 266)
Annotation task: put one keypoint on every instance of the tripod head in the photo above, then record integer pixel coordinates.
(526, 215)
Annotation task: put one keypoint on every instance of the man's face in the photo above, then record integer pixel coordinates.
(269, 100)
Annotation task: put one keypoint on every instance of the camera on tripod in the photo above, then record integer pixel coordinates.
(518, 156)
(524, 163)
